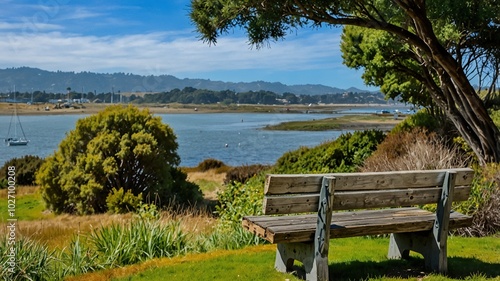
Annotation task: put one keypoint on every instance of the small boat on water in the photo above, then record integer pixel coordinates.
(15, 140)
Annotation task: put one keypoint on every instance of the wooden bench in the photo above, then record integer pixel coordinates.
(372, 203)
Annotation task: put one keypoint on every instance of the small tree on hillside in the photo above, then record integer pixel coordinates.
(120, 148)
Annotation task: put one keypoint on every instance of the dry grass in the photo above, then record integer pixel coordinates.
(58, 231)
(210, 175)
(20, 191)
(210, 182)
(415, 150)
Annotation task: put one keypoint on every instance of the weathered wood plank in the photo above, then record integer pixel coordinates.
(311, 183)
(290, 229)
(351, 200)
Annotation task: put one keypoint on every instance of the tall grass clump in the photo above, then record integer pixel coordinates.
(139, 240)
(32, 260)
(225, 237)
(79, 258)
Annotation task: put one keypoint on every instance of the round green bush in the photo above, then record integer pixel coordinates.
(25, 168)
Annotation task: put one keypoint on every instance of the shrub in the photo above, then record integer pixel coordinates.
(421, 119)
(344, 154)
(244, 173)
(414, 150)
(121, 202)
(240, 199)
(209, 164)
(26, 168)
(484, 202)
(120, 147)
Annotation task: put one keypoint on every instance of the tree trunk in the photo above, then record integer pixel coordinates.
(455, 94)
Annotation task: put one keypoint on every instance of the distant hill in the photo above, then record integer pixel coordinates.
(27, 79)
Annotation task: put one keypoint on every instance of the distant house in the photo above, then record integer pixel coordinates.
(97, 101)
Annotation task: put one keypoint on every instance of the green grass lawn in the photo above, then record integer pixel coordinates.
(27, 207)
(350, 259)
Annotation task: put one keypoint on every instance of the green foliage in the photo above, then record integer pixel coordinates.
(120, 202)
(120, 147)
(411, 51)
(226, 237)
(421, 119)
(32, 261)
(78, 259)
(483, 203)
(344, 154)
(495, 116)
(26, 167)
(147, 212)
(240, 199)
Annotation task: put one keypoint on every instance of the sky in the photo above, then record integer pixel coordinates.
(156, 38)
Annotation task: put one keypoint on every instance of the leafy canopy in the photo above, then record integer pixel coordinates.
(426, 51)
(120, 148)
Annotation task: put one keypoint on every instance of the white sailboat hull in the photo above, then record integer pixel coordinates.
(16, 142)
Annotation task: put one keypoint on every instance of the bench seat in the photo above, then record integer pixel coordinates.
(301, 228)
(302, 212)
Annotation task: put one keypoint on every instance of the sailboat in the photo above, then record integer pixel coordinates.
(14, 123)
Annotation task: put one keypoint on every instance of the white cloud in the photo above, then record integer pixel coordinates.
(27, 26)
(167, 53)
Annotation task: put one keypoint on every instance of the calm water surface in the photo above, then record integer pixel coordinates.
(234, 138)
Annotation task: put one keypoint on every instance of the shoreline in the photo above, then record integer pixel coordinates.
(92, 108)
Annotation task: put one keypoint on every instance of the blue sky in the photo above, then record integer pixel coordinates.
(157, 37)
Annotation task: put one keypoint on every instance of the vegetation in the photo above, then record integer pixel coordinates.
(344, 154)
(209, 164)
(76, 245)
(190, 95)
(122, 148)
(415, 150)
(243, 173)
(26, 167)
(413, 49)
(470, 259)
(337, 123)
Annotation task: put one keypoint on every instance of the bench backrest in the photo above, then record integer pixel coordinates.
(299, 193)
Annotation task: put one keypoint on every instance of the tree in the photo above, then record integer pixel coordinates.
(120, 148)
(441, 40)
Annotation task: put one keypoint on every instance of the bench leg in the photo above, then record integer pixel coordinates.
(287, 253)
(424, 243)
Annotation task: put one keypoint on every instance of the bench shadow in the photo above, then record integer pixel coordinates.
(412, 268)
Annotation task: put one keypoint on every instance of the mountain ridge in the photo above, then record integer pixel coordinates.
(26, 79)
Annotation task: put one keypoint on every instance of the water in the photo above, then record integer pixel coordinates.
(234, 138)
